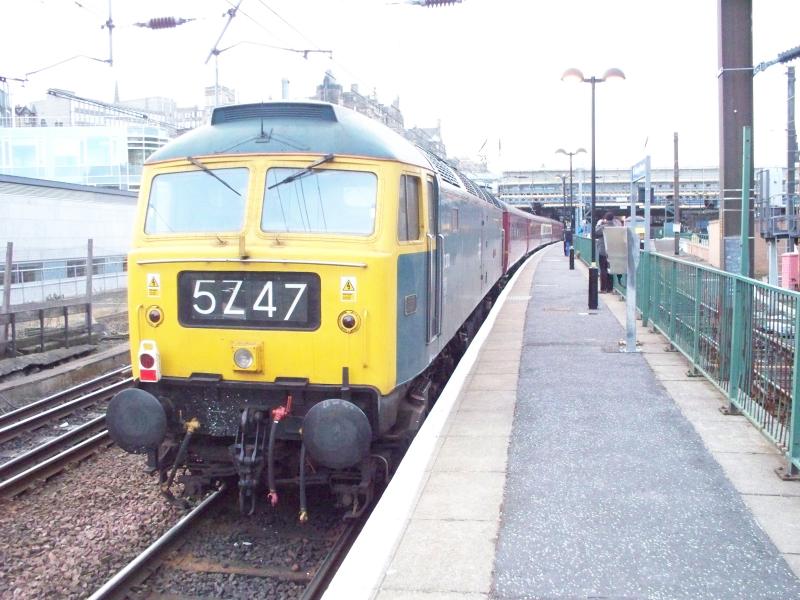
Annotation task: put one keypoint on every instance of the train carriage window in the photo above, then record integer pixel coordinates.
(195, 202)
(323, 201)
(408, 213)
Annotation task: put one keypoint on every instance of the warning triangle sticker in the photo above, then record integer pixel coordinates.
(348, 286)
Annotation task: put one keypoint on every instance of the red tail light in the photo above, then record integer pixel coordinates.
(149, 362)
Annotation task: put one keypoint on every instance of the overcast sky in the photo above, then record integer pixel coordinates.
(488, 69)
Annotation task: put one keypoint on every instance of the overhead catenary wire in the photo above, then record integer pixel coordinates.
(292, 27)
(353, 74)
(260, 24)
(231, 13)
(85, 7)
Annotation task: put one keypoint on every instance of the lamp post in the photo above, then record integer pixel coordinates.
(577, 75)
(566, 234)
(571, 195)
(563, 179)
(571, 206)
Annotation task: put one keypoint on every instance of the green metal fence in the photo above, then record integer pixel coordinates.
(740, 333)
(583, 248)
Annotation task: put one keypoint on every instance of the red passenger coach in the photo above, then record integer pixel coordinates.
(524, 232)
(518, 229)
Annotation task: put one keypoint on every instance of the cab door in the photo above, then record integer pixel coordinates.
(435, 251)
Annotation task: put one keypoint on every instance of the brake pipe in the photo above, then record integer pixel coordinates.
(303, 517)
(191, 427)
(278, 414)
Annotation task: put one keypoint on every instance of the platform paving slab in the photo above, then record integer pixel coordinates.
(477, 400)
(611, 491)
(754, 474)
(472, 454)
(479, 496)
(784, 531)
(494, 422)
(493, 382)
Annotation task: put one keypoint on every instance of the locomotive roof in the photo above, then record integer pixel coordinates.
(525, 214)
(291, 127)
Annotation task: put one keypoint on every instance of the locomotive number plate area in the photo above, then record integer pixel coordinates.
(249, 300)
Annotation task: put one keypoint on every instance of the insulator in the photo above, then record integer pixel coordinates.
(789, 55)
(162, 23)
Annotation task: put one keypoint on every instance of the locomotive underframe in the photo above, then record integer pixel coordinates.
(234, 422)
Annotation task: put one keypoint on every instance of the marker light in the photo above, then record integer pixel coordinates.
(155, 316)
(149, 362)
(348, 321)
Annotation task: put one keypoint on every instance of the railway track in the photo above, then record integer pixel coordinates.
(51, 457)
(44, 411)
(174, 552)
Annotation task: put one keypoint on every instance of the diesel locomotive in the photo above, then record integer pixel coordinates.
(300, 278)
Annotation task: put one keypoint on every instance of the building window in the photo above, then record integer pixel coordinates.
(30, 272)
(76, 267)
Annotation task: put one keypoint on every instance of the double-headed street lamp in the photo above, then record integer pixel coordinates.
(577, 75)
(571, 207)
(571, 196)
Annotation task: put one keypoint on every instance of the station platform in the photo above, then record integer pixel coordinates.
(558, 467)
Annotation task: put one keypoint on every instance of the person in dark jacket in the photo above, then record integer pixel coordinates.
(606, 283)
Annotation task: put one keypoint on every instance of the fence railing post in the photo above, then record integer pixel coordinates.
(6, 296)
(735, 357)
(698, 291)
(645, 286)
(793, 449)
(673, 301)
(89, 288)
(655, 309)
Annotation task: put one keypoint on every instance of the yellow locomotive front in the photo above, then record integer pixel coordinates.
(262, 307)
(240, 275)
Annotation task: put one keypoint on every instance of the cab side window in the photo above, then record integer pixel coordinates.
(408, 212)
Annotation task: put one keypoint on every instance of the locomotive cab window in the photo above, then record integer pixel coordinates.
(197, 202)
(320, 201)
(408, 213)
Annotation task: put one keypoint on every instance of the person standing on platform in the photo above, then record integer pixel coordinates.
(606, 283)
(567, 241)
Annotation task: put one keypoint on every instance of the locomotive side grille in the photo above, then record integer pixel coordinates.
(273, 110)
(444, 170)
(489, 197)
(469, 185)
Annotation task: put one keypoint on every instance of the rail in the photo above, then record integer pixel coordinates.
(741, 334)
(115, 586)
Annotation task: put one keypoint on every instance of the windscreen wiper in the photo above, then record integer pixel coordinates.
(201, 166)
(303, 172)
